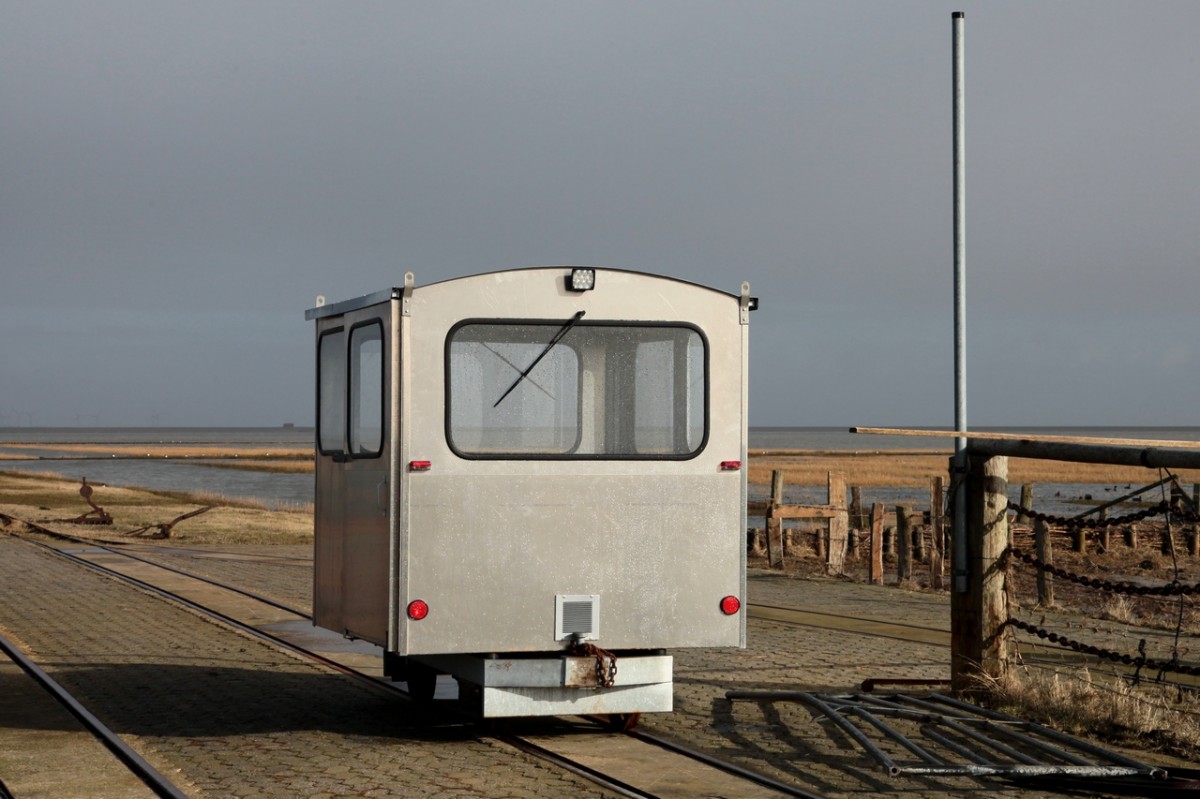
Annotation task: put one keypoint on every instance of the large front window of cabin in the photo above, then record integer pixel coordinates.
(600, 391)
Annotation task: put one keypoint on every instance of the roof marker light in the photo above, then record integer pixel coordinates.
(417, 610)
(730, 605)
(420, 466)
(581, 280)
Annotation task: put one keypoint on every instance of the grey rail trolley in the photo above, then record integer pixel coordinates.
(533, 480)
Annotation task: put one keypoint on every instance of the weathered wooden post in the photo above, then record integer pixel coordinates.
(1026, 503)
(774, 522)
(1045, 553)
(1079, 539)
(839, 524)
(875, 567)
(858, 521)
(903, 544)
(937, 532)
(1131, 537)
(1193, 538)
(980, 643)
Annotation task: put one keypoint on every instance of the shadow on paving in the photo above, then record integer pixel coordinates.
(202, 701)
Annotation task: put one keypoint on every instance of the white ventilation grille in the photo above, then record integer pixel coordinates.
(577, 614)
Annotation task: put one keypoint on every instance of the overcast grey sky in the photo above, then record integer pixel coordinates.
(179, 180)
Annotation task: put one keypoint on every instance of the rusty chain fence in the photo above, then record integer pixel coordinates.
(1142, 629)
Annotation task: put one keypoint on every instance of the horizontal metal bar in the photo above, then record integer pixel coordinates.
(1149, 457)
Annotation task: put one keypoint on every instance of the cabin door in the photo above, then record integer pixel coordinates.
(353, 495)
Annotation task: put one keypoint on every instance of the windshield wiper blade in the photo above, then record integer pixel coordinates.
(562, 331)
(515, 368)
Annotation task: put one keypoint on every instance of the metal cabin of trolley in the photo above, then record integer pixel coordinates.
(511, 466)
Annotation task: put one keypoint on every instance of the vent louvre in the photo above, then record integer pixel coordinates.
(577, 614)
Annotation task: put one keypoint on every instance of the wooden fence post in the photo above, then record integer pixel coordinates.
(937, 532)
(1045, 553)
(903, 544)
(839, 524)
(875, 567)
(979, 641)
(858, 521)
(774, 523)
(1079, 539)
(1193, 540)
(1026, 503)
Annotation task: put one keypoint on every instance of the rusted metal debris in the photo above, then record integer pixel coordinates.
(97, 515)
(164, 530)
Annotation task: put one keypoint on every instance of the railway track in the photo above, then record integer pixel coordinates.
(151, 777)
(568, 746)
(1033, 652)
(277, 623)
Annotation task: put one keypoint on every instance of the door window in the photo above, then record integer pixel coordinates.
(366, 390)
(331, 391)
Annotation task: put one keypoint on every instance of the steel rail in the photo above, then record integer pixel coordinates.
(105, 547)
(575, 767)
(861, 625)
(730, 768)
(138, 765)
(724, 765)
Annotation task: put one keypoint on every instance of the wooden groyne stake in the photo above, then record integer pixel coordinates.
(1045, 553)
(775, 522)
(903, 544)
(937, 535)
(875, 568)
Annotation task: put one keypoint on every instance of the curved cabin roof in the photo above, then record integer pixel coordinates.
(528, 275)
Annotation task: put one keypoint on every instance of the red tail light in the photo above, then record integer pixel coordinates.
(417, 610)
(730, 605)
(420, 466)
(730, 466)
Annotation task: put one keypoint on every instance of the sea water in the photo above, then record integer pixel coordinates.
(289, 490)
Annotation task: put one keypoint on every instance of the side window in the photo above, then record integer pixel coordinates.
(331, 391)
(366, 390)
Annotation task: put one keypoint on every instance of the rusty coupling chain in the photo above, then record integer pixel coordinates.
(606, 674)
(1129, 660)
(1119, 587)
(1072, 523)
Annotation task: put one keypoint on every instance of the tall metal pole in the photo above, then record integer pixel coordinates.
(960, 311)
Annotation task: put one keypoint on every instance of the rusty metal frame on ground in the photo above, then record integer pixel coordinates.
(963, 739)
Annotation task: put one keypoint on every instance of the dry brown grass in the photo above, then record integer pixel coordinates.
(276, 467)
(908, 468)
(43, 498)
(1144, 716)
